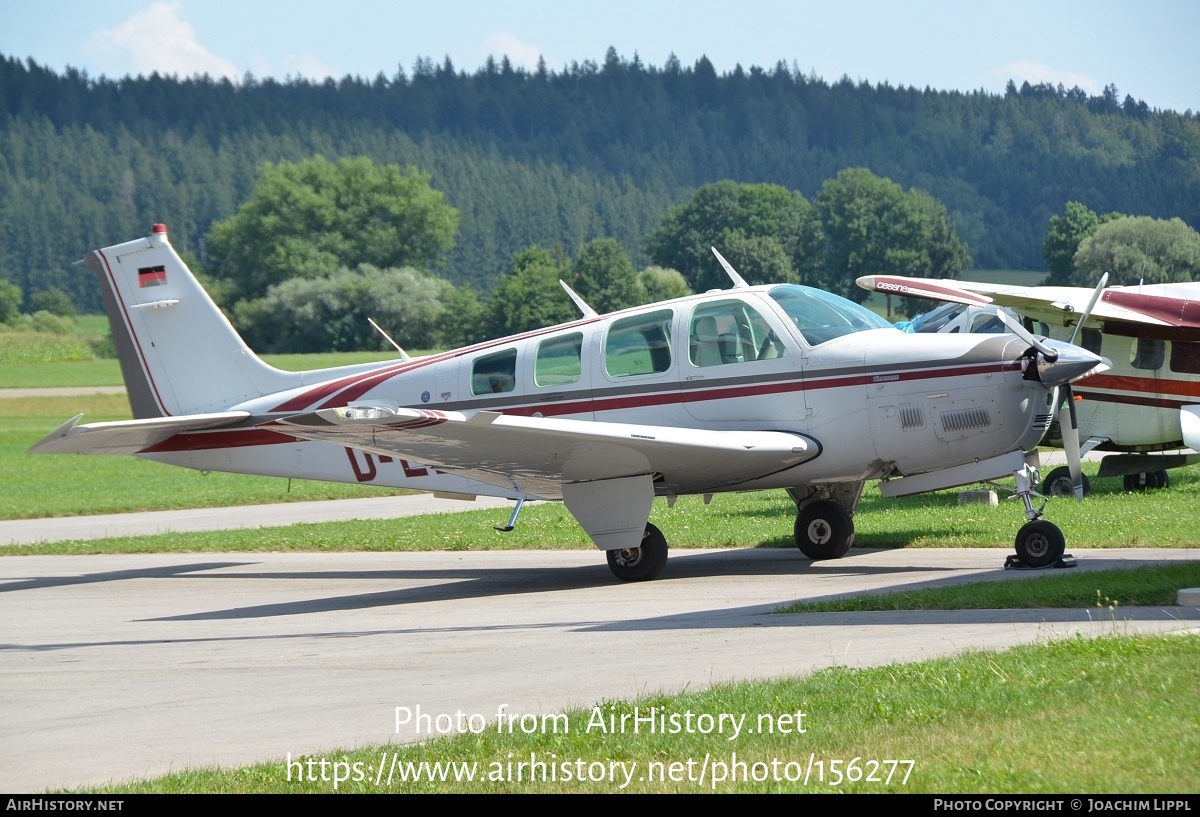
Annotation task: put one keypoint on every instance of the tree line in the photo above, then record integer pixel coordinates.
(560, 156)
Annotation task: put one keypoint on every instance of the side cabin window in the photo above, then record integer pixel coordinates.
(731, 332)
(1091, 339)
(1185, 357)
(559, 360)
(822, 316)
(1147, 353)
(640, 344)
(495, 374)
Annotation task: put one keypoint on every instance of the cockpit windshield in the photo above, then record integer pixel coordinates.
(821, 316)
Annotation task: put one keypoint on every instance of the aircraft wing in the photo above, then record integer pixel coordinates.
(126, 436)
(538, 455)
(1053, 305)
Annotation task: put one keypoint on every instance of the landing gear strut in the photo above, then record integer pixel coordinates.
(1039, 543)
(640, 564)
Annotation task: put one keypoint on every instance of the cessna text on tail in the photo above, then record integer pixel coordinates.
(749, 388)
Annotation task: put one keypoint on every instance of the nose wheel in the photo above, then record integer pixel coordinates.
(1039, 543)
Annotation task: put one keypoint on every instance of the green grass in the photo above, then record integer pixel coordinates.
(1098, 715)
(72, 485)
(1143, 586)
(35, 349)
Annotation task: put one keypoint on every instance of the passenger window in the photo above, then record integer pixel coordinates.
(558, 360)
(639, 345)
(495, 374)
(1185, 357)
(731, 332)
(1091, 339)
(1147, 353)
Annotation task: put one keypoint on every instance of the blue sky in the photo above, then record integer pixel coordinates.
(1147, 49)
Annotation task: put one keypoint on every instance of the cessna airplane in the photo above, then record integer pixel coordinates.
(743, 389)
(1147, 404)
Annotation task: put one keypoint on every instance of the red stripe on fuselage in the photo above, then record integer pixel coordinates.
(1141, 385)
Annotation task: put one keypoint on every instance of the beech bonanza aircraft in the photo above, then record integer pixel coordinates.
(1147, 404)
(742, 389)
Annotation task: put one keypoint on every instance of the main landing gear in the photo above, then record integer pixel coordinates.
(640, 564)
(824, 530)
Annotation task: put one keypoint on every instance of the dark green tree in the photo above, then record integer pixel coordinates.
(750, 224)
(309, 219)
(54, 301)
(1065, 234)
(529, 296)
(873, 227)
(10, 300)
(603, 276)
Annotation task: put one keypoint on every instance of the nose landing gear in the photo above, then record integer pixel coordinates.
(1039, 543)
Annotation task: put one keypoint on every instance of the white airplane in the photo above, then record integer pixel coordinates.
(1147, 404)
(744, 389)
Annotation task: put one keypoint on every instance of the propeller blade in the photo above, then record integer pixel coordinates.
(1050, 355)
(1068, 425)
(1087, 313)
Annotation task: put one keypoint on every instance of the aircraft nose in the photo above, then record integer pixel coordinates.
(1073, 363)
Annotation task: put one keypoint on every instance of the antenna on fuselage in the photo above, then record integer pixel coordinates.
(388, 338)
(587, 311)
(738, 281)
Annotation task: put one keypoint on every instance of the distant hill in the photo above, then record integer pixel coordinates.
(560, 158)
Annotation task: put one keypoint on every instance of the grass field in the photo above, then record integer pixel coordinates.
(73, 485)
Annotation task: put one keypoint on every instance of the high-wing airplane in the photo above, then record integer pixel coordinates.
(1148, 403)
(743, 389)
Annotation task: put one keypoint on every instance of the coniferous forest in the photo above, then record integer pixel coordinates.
(560, 157)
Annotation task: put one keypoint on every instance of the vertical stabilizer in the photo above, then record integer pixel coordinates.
(178, 353)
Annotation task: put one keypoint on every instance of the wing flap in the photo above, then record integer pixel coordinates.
(539, 451)
(126, 436)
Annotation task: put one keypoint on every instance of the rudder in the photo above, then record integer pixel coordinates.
(178, 352)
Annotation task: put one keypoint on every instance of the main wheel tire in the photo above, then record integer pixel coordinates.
(1059, 484)
(640, 564)
(824, 530)
(1040, 544)
(1146, 481)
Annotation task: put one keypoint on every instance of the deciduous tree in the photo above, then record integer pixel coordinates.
(309, 219)
(1134, 249)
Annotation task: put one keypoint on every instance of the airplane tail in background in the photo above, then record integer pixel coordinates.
(179, 354)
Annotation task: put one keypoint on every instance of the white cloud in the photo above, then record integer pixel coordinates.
(1034, 72)
(506, 44)
(157, 38)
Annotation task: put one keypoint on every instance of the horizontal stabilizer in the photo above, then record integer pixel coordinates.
(126, 436)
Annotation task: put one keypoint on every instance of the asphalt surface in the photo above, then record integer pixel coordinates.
(148, 523)
(126, 666)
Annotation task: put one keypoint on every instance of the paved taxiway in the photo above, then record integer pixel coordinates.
(134, 665)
